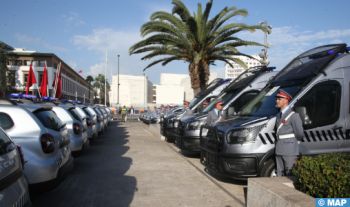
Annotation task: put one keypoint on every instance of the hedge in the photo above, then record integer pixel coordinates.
(323, 176)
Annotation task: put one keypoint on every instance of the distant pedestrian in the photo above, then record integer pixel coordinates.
(132, 110)
(124, 112)
(289, 130)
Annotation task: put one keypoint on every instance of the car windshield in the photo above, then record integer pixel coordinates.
(4, 142)
(225, 98)
(264, 104)
(49, 119)
(74, 112)
(89, 111)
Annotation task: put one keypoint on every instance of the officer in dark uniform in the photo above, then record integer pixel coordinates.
(289, 130)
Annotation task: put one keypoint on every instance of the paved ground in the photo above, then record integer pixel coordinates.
(131, 166)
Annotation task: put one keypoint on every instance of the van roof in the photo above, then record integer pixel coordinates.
(308, 65)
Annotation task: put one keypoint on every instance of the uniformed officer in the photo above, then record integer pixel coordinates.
(214, 114)
(187, 108)
(289, 130)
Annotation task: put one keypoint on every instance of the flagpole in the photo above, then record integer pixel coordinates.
(58, 70)
(47, 88)
(36, 84)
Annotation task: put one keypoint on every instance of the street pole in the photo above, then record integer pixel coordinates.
(106, 79)
(144, 94)
(264, 55)
(118, 81)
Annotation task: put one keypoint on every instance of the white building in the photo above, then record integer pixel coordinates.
(236, 70)
(169, 94)
(136, 91)
(175, 88)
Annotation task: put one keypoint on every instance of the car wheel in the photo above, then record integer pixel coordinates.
(269, 169)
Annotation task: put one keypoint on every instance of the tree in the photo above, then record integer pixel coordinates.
(99, 85)
(89, 79)
(5, 78)
(195, 39)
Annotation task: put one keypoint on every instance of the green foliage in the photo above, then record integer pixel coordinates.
(323, 176)
(99, 83)
(194, 38)
(3, 72)
(89, 79)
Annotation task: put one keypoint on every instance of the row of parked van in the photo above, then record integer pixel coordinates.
(38, 141)
(240, 144)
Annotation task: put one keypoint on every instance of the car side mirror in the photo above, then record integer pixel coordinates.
(301, 110)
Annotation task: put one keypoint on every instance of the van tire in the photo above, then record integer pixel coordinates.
(268, 168)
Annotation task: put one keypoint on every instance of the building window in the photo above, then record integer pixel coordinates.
(25, 78)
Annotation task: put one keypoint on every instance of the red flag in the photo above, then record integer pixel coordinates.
(59, 84)
(31, 78)
(44, 81)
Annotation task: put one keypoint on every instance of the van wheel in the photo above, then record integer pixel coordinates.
(269, 169)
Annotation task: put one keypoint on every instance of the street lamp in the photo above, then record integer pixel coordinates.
(118, 81)
(263, 55)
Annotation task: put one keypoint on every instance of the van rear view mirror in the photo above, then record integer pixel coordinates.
(301, 110)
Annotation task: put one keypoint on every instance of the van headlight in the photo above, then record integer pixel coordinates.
(240, 136)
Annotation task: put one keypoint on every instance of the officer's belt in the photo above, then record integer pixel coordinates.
(286, 136)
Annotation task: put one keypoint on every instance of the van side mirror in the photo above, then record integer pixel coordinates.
(301, 110)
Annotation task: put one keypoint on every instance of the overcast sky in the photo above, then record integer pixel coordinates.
(81, 31)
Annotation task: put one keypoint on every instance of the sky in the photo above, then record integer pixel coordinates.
(80, 32)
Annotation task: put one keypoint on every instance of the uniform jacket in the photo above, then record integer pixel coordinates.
(212, 117)
(288, 134)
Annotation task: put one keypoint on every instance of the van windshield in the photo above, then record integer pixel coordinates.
(264, 104)
(204, 93)
(225, 98)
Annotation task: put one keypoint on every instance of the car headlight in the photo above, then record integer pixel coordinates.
(240, 136)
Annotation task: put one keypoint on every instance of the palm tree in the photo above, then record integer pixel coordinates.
(89, 79)
(99, 84)
(4, 77)
(195, 39)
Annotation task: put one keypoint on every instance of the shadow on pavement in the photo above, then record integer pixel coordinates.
(98, 177)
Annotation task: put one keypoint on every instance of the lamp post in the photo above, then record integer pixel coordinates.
(263, 55)
(118, 81)
(106, 78)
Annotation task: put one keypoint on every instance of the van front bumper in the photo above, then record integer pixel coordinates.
(235, 166)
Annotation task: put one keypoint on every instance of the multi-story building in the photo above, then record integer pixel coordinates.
(74, 86)
(175, 88)
(236, 70)
(136, 91)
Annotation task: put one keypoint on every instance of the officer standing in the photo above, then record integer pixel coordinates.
(214, 114)
(289, 130)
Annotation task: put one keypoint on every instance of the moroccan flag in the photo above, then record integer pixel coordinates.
(31, 79)
(58, 78)
(44, 81)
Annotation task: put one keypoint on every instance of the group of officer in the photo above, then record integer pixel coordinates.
(288, 130)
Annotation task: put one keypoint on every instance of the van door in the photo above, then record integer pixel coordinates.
(323, 124)
(344, 145)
